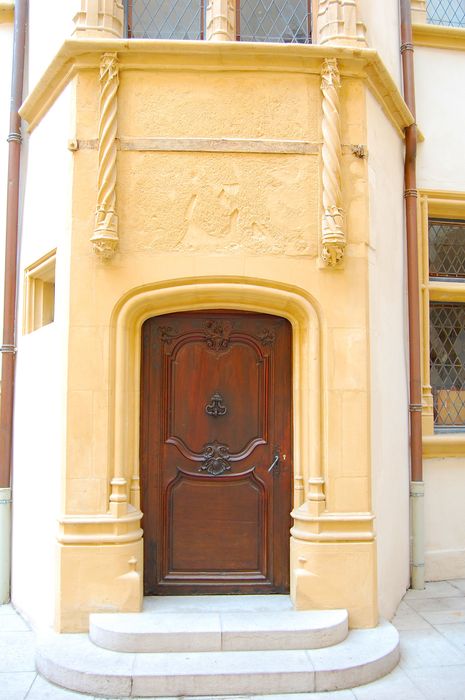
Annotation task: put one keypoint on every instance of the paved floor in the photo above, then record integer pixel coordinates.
(431, 625)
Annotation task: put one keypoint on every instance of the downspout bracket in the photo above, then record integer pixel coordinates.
(14, 136)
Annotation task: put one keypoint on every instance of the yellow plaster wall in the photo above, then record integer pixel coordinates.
(238, 218)
(216, 104)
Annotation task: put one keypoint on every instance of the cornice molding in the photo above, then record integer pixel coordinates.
(444, 445)
(439, 37)
(138, 54)
(445, 203)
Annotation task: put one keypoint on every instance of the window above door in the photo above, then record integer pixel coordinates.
(276, 21)
(165, 19)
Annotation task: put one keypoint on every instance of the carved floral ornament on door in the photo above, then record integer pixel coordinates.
(217, 336)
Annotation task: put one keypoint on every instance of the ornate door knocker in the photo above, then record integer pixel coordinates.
(216, 406)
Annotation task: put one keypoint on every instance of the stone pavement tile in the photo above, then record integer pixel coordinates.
(444, 617)
(454, 634)
(434, 589)
(334, 695)
(408, 619)
(425, 648)
(17, 651)
(41, 689)
(14, 686)
(330, 695)
(13, 623)
(439, 683)
(458, 583)
(395, 685)
(437, 604)
(214, 697)
(7, 609)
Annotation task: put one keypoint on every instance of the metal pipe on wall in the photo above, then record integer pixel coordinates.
(9, 305)
(415, 400)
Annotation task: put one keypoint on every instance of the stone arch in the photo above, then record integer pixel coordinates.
(208, 293)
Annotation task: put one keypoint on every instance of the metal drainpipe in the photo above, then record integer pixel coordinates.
(9, 305)
(411, 195)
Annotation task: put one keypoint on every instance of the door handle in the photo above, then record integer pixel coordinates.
(274, 466)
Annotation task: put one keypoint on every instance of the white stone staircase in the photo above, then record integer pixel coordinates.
(218, 645)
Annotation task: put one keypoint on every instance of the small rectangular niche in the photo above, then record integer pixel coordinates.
(39, 309)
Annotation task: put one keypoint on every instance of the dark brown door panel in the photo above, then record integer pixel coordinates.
(216, 463)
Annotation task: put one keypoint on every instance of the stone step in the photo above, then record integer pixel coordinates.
(74, 662)
(218, 631)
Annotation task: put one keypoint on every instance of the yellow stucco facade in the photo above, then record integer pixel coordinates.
(216, 174)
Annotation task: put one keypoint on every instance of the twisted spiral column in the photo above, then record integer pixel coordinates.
(333, 238)
(105, 238)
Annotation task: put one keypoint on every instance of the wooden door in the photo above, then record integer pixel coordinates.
(216, 464)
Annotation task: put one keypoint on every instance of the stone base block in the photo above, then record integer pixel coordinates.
(328, 575)
(97, 578)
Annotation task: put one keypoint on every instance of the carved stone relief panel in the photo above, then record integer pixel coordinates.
(219, 203)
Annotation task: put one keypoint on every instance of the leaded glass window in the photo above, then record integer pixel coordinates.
(447, 363)
(450, 13)
(165, 19)
(282, 21)
(446, 248)
(279, 21)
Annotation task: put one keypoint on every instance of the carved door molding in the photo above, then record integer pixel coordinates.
(216, 466)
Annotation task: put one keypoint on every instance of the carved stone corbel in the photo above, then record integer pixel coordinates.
(105, 237)
(221, 20)
(338, 23)
(100, 18)
(333, 239)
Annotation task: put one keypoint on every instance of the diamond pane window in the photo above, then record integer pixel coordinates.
(450, 13)
(447, 363)
(165, 19)
(281, 21)
(446, 248)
